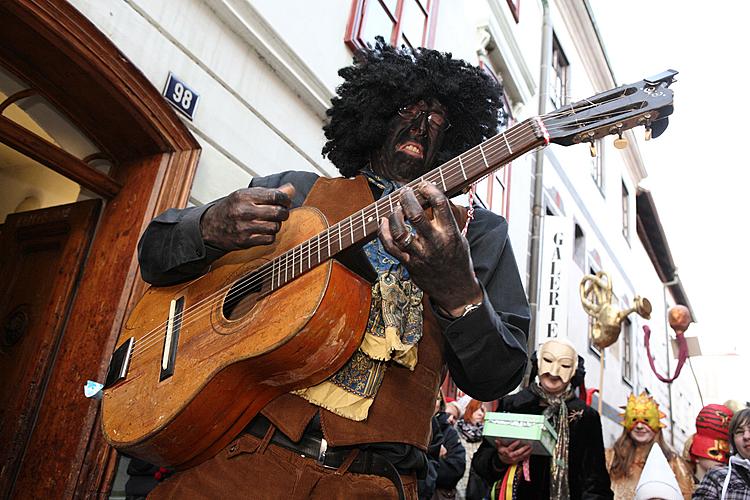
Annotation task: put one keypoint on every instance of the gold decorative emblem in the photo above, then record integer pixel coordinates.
(596, 298)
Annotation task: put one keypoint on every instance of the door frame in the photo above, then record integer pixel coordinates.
(53, 47)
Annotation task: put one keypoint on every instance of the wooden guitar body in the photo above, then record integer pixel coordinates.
(227, 367)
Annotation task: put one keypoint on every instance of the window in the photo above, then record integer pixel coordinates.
(579, 248)
(561, 66)
(400, 22)
(625, 212)
(627, 352)
(515, 7)
(597, 165)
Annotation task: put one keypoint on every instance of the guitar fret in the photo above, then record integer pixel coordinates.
(484, 157)
(505, 136)
(442, 179)
(351, 228)
(319, 245)
(340, 237)
(461, 164)
(309, 257)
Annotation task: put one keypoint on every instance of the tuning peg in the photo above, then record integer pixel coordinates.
(621, 142)
(592, 149)
(647, 124)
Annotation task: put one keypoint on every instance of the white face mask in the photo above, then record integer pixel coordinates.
(558, 359)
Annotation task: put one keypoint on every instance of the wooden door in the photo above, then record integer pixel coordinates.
(42, 253)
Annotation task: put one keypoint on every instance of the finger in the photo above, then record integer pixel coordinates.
(441, 208)
(514, 445)
(274, 213)
(261, 227)
(384, 233)
(400, 232)
(266, 196)
(289, 190)
(413, 211)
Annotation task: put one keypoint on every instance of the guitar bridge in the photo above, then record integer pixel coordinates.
(118, 365)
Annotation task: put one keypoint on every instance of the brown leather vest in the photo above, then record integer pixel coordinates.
(405, 402)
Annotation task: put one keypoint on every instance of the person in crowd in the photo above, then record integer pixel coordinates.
(641, 430)
(470, 433)
(709, 446)
(454, 411)
(450, 462)
(454, 299)
(576, 468)
(657, 481)
(731, 482)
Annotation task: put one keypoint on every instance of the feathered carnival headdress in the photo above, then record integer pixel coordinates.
(642, 409)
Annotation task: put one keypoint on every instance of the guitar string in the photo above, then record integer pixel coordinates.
(283, 260)
(449, 171)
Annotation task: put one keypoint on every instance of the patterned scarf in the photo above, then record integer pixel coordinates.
(557, 412)
(471, 432)
(393, 330)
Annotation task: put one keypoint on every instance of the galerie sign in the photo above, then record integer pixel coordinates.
(557, 252)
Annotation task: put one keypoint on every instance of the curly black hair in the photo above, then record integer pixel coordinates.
(383, 79)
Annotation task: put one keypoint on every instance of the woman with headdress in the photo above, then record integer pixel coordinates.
(731, 482)
(627, 457)
(576, 469)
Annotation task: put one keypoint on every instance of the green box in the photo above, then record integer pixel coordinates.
(536, 430)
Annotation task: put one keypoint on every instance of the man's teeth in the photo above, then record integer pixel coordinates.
(412, 148)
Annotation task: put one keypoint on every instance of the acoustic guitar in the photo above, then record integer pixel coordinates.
(196, 362)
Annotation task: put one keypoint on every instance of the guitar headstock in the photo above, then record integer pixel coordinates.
(646, 103)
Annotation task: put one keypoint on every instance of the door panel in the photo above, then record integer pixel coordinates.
(41, 258)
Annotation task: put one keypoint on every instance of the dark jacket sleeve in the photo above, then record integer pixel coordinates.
(595, 478)
(171, 249)
(487, 463)
(451, 467)
(486, 349)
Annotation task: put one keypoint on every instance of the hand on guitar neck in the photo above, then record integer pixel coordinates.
(436, 255)
(247, 217)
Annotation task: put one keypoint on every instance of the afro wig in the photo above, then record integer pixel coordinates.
(383, 79)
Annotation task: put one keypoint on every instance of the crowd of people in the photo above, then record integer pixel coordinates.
(640, 464)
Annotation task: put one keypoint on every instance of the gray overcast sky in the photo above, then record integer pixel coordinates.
(697, 170)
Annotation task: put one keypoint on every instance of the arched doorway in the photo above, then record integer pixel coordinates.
(54, 342)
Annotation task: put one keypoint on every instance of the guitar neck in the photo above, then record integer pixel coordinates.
(451, 177)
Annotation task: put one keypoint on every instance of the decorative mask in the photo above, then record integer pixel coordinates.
(711, 432)
(642, 409)
(558, 357)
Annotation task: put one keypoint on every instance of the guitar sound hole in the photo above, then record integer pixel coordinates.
(243, 296)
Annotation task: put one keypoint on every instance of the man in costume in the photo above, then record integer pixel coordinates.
(438, 297)
(576, 469)
(642, 430)
(709, 446)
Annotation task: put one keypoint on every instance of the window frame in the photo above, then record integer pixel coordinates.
(353, 37)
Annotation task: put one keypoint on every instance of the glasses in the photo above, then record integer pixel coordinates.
(435, 119)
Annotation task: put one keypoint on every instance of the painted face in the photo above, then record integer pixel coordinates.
(557, 359)
(415, 136)
(742, 440)
(642, 433)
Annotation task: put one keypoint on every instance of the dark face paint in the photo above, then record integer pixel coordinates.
(415, 136)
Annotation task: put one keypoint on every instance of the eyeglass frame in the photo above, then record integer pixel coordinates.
(405, 112)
